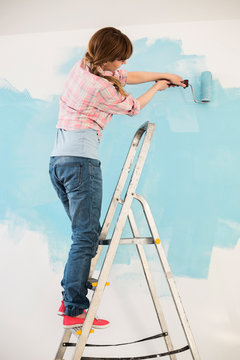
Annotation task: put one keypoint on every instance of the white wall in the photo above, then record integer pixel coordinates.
(34, 16)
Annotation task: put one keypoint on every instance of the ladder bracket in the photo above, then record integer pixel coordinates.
(177, 351)
(121, 344)
(68, 344)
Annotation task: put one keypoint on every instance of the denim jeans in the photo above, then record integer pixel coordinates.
(78, 183)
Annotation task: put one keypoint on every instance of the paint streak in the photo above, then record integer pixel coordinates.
(190, 177)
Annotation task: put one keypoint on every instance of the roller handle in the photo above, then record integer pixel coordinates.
(185, 82)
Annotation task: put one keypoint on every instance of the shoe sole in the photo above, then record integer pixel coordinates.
(81, 325)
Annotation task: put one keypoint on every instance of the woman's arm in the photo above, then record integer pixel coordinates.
(138, 77)
(111, 101)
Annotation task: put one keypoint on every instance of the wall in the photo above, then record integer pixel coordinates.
(190, 181)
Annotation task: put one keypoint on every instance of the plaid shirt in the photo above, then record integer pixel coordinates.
(89, 101)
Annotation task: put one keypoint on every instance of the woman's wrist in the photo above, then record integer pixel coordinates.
(155, 87)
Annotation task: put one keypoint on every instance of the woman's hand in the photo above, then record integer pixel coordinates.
(172, 80)
(162, 85)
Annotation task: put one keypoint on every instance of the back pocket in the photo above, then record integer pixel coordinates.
(70, 176)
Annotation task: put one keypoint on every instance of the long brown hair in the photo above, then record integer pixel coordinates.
(108, 44)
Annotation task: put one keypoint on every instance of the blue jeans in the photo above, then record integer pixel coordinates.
(78, 183)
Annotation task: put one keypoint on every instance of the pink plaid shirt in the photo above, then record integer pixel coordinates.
(89, 101)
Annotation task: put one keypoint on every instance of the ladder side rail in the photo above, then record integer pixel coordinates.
(169, 278)
(111, 211)
(146, 127)
(114, 243)
(150, 283)
(61, 350)
(101, 281)
(119, 188)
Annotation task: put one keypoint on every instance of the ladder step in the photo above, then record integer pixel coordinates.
(177, 351)
(92, 283)
(135, 240)
(77, 332)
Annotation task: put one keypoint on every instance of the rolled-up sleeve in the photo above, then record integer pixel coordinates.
(112, 102)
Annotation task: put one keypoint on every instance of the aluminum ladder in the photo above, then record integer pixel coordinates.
(134, 162)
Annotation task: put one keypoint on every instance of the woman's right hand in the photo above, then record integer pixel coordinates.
(148, 95)
(161, 85)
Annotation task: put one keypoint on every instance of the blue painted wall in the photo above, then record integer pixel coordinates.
(190, 178)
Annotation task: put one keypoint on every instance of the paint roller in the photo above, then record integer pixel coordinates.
(206, 87)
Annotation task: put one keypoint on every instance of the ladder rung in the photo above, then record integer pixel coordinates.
(136, 240)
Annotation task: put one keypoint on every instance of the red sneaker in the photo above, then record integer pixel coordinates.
(74, 322)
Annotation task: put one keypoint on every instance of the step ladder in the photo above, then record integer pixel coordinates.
(132, 169)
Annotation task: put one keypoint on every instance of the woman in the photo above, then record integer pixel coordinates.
(92, 94)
